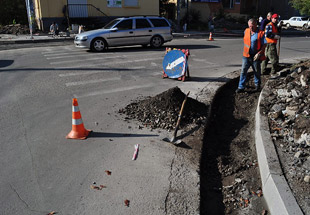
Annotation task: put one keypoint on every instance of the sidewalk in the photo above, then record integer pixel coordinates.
(233, 33)
(43, 38)
(37, 38)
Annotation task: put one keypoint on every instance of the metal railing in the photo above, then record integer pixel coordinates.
(83, 11)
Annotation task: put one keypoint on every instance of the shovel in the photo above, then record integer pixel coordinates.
(173, 139)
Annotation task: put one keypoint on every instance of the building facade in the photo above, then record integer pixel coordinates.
(66, 12)
(235, 8)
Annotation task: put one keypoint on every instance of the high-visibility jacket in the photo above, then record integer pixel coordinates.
(274, 31)
(247, 43)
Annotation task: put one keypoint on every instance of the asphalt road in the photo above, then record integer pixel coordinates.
(41, 171)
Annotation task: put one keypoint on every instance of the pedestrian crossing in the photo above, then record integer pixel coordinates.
(87, 73)
(92, 74)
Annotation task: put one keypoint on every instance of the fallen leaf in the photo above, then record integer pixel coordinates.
(51, 213)
(95, 187)
(108, 172)
(102, 186)
(260, 193)
(264, 212)
(127, 202)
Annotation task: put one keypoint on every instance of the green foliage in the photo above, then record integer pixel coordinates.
(14, 22)
(194, 20)
(303, 6)
(13, 10)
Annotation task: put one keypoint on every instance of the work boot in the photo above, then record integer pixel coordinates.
(239, 90)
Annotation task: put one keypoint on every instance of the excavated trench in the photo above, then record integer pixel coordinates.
(230, 179)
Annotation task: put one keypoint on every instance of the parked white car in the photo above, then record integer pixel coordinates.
(148, 30)
(297, 21)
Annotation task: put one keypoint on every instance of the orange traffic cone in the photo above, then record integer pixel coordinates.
(78, 131)
(210, 37)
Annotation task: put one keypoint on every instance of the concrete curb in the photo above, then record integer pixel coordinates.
(278, 195)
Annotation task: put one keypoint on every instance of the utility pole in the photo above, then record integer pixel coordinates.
(178, 15)
(30, 18)
(187, 14)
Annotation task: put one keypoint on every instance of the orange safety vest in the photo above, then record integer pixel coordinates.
(274, 31)
(247, 43)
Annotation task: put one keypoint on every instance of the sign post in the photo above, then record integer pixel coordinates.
(30, 17)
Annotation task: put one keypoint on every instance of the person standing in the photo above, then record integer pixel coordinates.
(253, 54)
(265, 21)
(272, 36)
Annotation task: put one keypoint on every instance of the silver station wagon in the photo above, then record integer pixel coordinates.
(153, 31)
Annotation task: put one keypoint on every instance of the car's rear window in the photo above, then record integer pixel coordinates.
(159, 22)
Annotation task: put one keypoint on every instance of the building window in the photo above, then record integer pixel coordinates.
(131, 3)
(114, 3)
(237, 1)
(228, 3)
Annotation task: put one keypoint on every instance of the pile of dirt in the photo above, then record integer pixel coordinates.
(288, 109)
(161, 111)
(14, 29)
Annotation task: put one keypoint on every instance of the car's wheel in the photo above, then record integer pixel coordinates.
(304, 27)
(98, 45)
(156, 42)
(288, 25)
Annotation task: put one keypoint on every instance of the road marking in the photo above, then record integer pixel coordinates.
(58, 51)
(111, 63)
(66, 56)
(99, 71)
(84, 60)
(70, 84)
(96, 93)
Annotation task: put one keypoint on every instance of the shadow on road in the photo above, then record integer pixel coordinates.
(65, 69)
(162, 49)
(6, 63)
(118, 135)
(207, 79)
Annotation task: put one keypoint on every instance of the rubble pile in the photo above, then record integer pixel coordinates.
(288, 109)
(14, 29)
(161, 111)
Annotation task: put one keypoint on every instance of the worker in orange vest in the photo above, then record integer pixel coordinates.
(272, 32)
(253, 54)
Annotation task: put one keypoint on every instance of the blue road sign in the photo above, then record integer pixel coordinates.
(175, 64)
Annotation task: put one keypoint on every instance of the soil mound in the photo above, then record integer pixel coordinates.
(161, 111)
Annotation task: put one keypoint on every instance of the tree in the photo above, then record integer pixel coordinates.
(303, 6)
(162, 7)
(13, 10)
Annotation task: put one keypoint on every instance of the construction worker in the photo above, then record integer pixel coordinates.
(253, 54)
(265, 21)
(272, 32)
